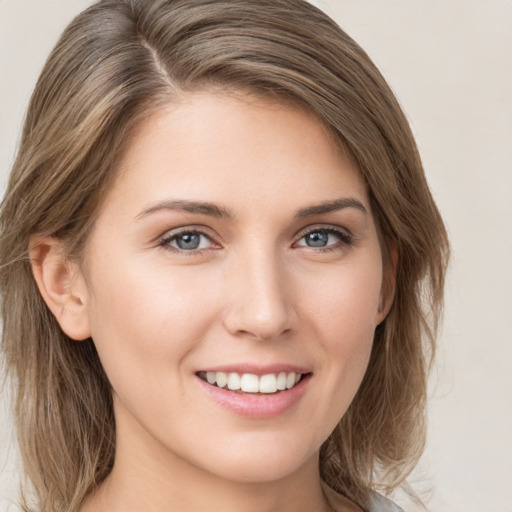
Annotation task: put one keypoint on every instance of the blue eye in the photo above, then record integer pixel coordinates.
(317, 239)
(324, 238)
(187, 241)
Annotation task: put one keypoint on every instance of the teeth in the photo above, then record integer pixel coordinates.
(221, 378)
(281, 381)
(290, 380)
(234, 381)
(268, 383)
(251, 383)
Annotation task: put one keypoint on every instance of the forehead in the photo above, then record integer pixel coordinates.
(237, 148)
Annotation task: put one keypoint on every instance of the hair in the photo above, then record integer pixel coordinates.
(117, 63)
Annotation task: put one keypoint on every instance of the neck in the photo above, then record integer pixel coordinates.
(147, 477)
(131, 491)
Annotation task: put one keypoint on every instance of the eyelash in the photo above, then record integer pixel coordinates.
(346, 240)
(165, 242)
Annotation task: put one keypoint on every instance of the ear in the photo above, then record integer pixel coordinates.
(387, 290)
(61, 284)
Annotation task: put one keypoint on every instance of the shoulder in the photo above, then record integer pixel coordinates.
(378, 503)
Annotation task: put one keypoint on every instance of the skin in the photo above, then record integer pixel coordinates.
(254, 292)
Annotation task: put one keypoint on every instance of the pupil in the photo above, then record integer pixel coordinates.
(188, 241)
(317, 239)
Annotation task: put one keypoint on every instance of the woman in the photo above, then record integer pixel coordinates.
(221, 266)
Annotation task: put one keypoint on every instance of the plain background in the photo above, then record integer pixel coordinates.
(450, 64)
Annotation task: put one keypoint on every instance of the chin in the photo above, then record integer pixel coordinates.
(259, 471)
(264, 460)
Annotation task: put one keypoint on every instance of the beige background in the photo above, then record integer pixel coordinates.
(450, 64)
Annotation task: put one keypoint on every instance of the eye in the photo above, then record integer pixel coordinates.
(187, 241)
(324, 238)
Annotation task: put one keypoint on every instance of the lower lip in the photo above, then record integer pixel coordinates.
(257, 405)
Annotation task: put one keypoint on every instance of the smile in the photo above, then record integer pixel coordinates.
(251, 383)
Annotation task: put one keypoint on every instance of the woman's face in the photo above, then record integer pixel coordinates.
(236, 245)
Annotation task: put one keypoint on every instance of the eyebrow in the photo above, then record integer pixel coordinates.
(202, 208)
(332, 206)
(213, 210)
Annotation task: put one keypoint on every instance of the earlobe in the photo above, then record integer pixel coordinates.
(61, 285)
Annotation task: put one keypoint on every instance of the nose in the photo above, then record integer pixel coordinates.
(259, 298)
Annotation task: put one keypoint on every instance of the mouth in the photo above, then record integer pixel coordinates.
(268, 384)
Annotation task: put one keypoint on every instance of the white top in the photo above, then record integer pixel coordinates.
(380, 504)
(377, 502)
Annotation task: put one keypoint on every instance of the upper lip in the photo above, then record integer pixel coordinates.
(255, 369)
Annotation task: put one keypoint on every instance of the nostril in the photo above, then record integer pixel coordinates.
(261, 335)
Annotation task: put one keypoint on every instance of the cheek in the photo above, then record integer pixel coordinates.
(343, 317)
(344, 304)
(144, 321)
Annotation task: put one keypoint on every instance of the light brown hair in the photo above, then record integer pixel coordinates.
(117, 63)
